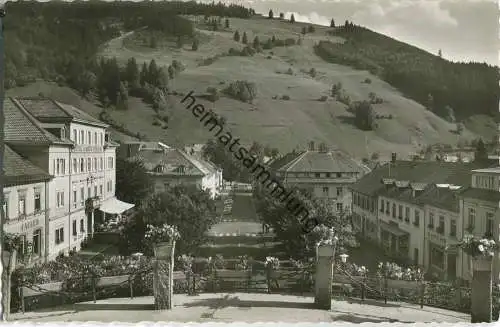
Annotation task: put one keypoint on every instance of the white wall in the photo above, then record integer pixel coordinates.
(34, 220)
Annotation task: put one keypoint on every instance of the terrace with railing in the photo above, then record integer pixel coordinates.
(73, 279)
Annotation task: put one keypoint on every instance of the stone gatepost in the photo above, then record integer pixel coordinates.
(481, 306)
(163, 271)
(9, 259)
(325, 255)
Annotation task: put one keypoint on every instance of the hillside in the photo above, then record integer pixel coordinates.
(293, 83)
(281, 123)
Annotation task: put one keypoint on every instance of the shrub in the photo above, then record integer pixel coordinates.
(289, 71)
(269, 57)
(285, 97)
(233, 52)
(323, 98)
(156, 122)
(344, 98)
(368, 81)
(247, 51)
(312, 72)
(242, 90)
(336, 88)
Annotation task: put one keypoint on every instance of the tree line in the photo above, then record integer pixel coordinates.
(58, 41)
(451, 90)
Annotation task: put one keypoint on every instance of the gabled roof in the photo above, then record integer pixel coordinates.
(319, 161)
(19, 170)
(21, 128)
(46, 110)
(171, 160)
(284, 160)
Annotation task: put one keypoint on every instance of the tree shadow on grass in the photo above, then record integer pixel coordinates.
(358, 319)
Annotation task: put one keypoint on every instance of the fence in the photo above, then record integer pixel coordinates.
(253, 276)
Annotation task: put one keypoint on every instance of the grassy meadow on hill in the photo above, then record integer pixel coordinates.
(282, 123)
(293, 101)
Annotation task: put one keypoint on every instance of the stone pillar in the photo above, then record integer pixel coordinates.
(9, 259)
(92, 227)
(445, 264)
(481, 306)
(325, 255)
(163, 279)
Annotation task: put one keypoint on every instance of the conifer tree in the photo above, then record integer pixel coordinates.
(292, 19)
(244, 39)
(332, 23)
(271, 15)
(236, 36)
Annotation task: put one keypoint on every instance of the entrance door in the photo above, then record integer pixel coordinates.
(452, 266)
(89, 224)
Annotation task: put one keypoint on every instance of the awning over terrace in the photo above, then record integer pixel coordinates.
(115, 206)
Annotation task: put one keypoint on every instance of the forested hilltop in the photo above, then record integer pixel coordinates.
(58, 41)
(449, 89)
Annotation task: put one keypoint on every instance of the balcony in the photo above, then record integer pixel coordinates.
(92, 203)
(440, 230)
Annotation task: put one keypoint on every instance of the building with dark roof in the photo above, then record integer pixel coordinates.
(170, 166)
(25, 210)
(326, 174)
(412, 209)
(74, 148)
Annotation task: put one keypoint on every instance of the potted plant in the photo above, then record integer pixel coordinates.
(481, 251)
(162, 238)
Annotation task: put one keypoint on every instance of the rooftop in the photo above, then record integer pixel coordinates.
(318, 161)
(19, 170)
(171, 161)
(22, 128)
(426, 172)
(492, 170)
(47, 110)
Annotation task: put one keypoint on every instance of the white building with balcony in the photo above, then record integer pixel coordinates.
(480, 212)
(75, 148)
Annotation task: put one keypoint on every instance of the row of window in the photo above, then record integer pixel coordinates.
(79, 137)
(472, 221)
(400, 212)
(441, 227)
(21, 204)
(98, 190)
(485, 182)
(326, 191)
(59, 232)
(363, 202)
(83, 165)
(318, 175)
(34, 246)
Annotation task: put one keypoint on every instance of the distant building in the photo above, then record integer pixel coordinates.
(76, 150)
(325, 174)
(169, 167)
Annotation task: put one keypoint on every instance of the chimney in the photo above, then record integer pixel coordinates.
(311, 146)
(393, 157)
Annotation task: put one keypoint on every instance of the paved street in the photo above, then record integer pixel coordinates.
(242, 307)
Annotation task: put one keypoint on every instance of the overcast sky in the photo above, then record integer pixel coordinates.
(463, 29)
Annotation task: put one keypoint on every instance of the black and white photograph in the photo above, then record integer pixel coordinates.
(250, 161)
